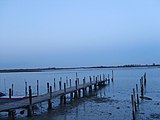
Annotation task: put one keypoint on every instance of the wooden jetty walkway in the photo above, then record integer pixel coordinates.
(74, 91)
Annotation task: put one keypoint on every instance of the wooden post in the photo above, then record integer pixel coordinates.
(134, 99)
(90, 87)
(112, 75)
(50, 98)
(145, 79)
(75, 95)
(37, 87)
(137, 94)
(142, 91)
(64, 93)
(26, 89)
(100, 77)
(30, 95)
(10, 93)
(30, 103)
(60, 85)
(54, 84)
(84, 87)
(47, 87)
(70, 82)
(12, 90)
(67, 81)
(133, 108)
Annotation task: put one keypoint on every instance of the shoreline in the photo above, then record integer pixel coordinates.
(69, 68)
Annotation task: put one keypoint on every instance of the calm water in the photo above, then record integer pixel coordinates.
(111, 102)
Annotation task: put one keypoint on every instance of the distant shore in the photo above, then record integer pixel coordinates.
(54, 68)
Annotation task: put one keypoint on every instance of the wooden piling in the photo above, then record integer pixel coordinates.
(54, 84)
(26, 89)
(84, 87)
(47, 87)
(50, 98)
(142, 91)
(134, 99)
(64, 93)
(12, 90)
(90, 87)
(67, 81)
(37, 87)
(112, 75)
(60, 85)
(137, 94)
(70, 81)
(30, 112)
(10, 93)
(145, 80)
(133, 108)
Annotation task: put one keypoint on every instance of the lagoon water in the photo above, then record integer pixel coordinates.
(113, 102)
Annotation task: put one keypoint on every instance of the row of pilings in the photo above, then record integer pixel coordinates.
(135, 98)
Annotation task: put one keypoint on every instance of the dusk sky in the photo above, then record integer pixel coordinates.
(71, 33)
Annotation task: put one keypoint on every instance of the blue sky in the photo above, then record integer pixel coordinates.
(78, 33)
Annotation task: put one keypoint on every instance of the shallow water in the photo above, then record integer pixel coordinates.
(111, 102)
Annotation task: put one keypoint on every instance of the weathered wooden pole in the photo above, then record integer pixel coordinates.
(108, 79)
(70, 81)
(64, 93)
(50, 98)
(75, 94)
(12, 90)
(26, 89)
(137, 95)
(145, 80)
(133, 108)
(47, 87)
(10, 93)
(112, 75)
(67, 81)
(30, 112)
(37, 87)
(90, 87)
(84, 87)
(60, 85)
(54, 84)
(142, 91)
(134, 99)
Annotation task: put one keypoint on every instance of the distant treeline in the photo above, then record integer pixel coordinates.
(46, 69)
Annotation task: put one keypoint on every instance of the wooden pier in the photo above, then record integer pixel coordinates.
(74, 91)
